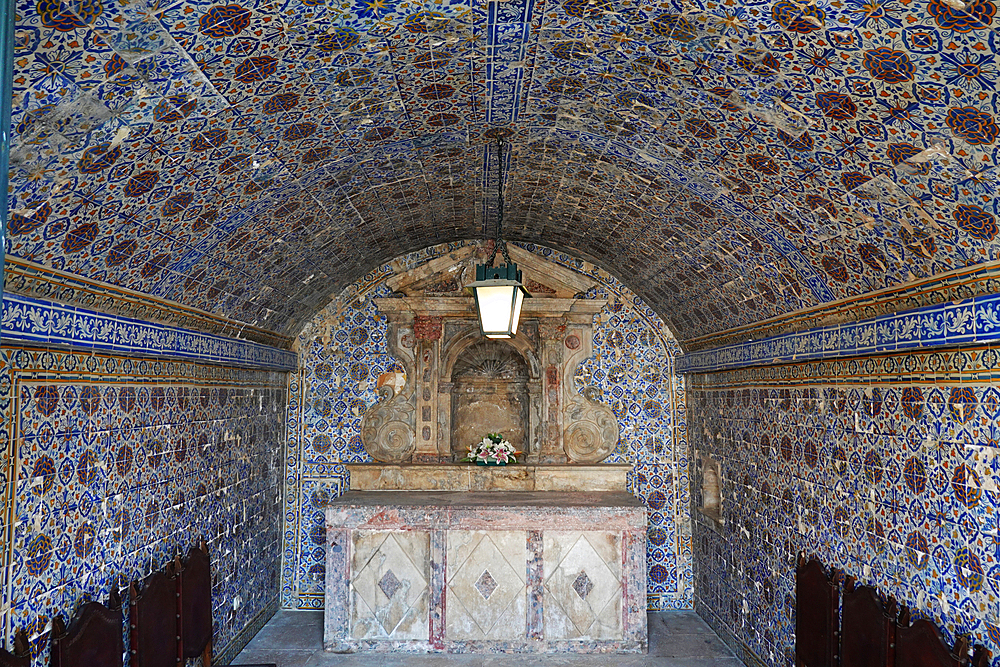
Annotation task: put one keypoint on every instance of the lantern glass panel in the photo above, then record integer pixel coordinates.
(495, 308)
(518, 301)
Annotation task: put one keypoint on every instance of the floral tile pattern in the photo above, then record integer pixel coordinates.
(29, 320)
(112, 464)
(731, 162)
(942, 325)
(883, 466)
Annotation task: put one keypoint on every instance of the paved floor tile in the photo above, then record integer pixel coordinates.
(676, 639)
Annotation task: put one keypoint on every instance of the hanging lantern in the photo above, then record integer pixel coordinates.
(499, 296)
(498, 289)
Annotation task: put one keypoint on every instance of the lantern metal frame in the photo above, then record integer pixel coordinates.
(500, 285)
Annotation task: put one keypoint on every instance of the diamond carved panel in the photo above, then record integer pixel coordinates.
(582, 585)
(486, 584)
(389, 590)
(389, 584)
(487, 594)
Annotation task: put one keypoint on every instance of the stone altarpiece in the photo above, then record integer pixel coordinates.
(457, 386)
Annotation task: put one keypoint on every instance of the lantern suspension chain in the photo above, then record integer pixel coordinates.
(498, 242)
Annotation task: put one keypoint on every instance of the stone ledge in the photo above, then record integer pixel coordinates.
(481, 500)
(467, 477)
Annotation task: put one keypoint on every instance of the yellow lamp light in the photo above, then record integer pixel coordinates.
(499, 297)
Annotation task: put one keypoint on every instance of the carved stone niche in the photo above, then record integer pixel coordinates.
(489, 393)
(458, 386)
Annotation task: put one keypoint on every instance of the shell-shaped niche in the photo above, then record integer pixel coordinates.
(489, 395)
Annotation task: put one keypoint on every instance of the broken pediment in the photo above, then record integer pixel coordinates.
(448, 275)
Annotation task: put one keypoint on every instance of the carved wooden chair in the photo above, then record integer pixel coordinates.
(94, 637)
(921, 645)
(867, 628)
(21, 657)
(816, 617)
(194, 588)
(153, 620)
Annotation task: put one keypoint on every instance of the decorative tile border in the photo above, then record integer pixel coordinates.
(34, 280)
(969, 322)
(38, 322)
(958, 285)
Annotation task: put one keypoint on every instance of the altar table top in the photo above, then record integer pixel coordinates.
(491, 499)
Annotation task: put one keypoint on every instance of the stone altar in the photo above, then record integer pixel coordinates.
(545, 556)
(486, 572)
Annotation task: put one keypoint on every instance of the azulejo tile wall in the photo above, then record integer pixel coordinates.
(343, 349)
(885, 466)
(111, 463)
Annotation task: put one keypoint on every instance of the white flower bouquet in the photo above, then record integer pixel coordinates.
(494, 450)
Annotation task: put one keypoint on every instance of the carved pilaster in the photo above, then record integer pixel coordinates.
(427, 395)
(552, 405)
(591, 429)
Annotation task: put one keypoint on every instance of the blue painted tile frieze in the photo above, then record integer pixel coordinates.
(959, 285)
(44, 282)
(34, 321)
(947, 325)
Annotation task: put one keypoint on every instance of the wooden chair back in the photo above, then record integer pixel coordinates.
(94, 637)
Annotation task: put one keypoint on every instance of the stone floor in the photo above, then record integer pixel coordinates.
(676, 639)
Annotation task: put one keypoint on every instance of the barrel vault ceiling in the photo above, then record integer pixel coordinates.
(729, 160)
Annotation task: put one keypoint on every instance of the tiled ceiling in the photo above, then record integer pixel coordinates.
(729, 161)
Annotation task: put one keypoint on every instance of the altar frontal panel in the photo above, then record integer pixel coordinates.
(389, 587)
(492, 572)
(487, 588)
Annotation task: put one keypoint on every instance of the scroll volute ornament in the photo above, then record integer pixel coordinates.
(592, 433)
(388, 428)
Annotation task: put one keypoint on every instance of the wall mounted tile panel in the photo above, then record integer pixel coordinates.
(115, 463)
(884, 466)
